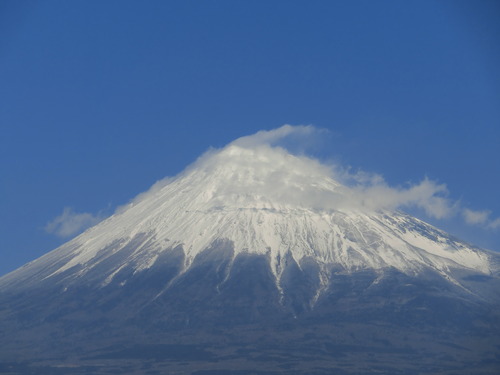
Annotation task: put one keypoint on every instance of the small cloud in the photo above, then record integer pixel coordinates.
(475, 217)
(375, 194)
(291, 137)
(481, 218)
(70, 223)
(495, 224)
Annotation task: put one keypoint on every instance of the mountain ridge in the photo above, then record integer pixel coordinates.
(201, 206)
(258, 261)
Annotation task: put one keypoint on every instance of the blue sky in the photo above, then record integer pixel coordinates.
(98, 100)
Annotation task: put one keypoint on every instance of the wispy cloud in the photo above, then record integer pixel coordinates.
(428, 195)
(494, 224)
(475, 217)
(274, 136)
(360, 190)
(70, 223)
(481, 218)
(287, 178)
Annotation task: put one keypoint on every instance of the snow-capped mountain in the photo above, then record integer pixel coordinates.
(264, 201)
(249, 234)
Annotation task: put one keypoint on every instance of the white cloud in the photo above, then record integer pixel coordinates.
(360, 190)
(70, 223)
(494, 224)
(274, 136)
(481, 218)
(285, 178)
(427, 195)
(475, 217)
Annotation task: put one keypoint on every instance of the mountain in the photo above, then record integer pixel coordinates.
(254, 260)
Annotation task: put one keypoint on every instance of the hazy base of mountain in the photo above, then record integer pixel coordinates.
(230, 317)
(342, 348)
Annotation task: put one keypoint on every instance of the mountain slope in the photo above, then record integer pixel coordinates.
(264, 207)
(248, 258)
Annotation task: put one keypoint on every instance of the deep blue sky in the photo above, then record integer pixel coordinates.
(99, 99)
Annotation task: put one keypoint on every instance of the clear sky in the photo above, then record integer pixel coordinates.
(100, 99)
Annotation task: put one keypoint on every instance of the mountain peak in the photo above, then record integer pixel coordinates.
(262, 200)
(254, 236)
(261, 176)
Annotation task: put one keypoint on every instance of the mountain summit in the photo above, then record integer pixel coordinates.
(252, 235)
(263, 200)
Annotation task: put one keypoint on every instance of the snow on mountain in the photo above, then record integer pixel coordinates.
(266, 201)
(265, 258)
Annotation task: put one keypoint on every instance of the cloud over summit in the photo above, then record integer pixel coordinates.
(261, 168)
(360, 190)
(298, 178)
